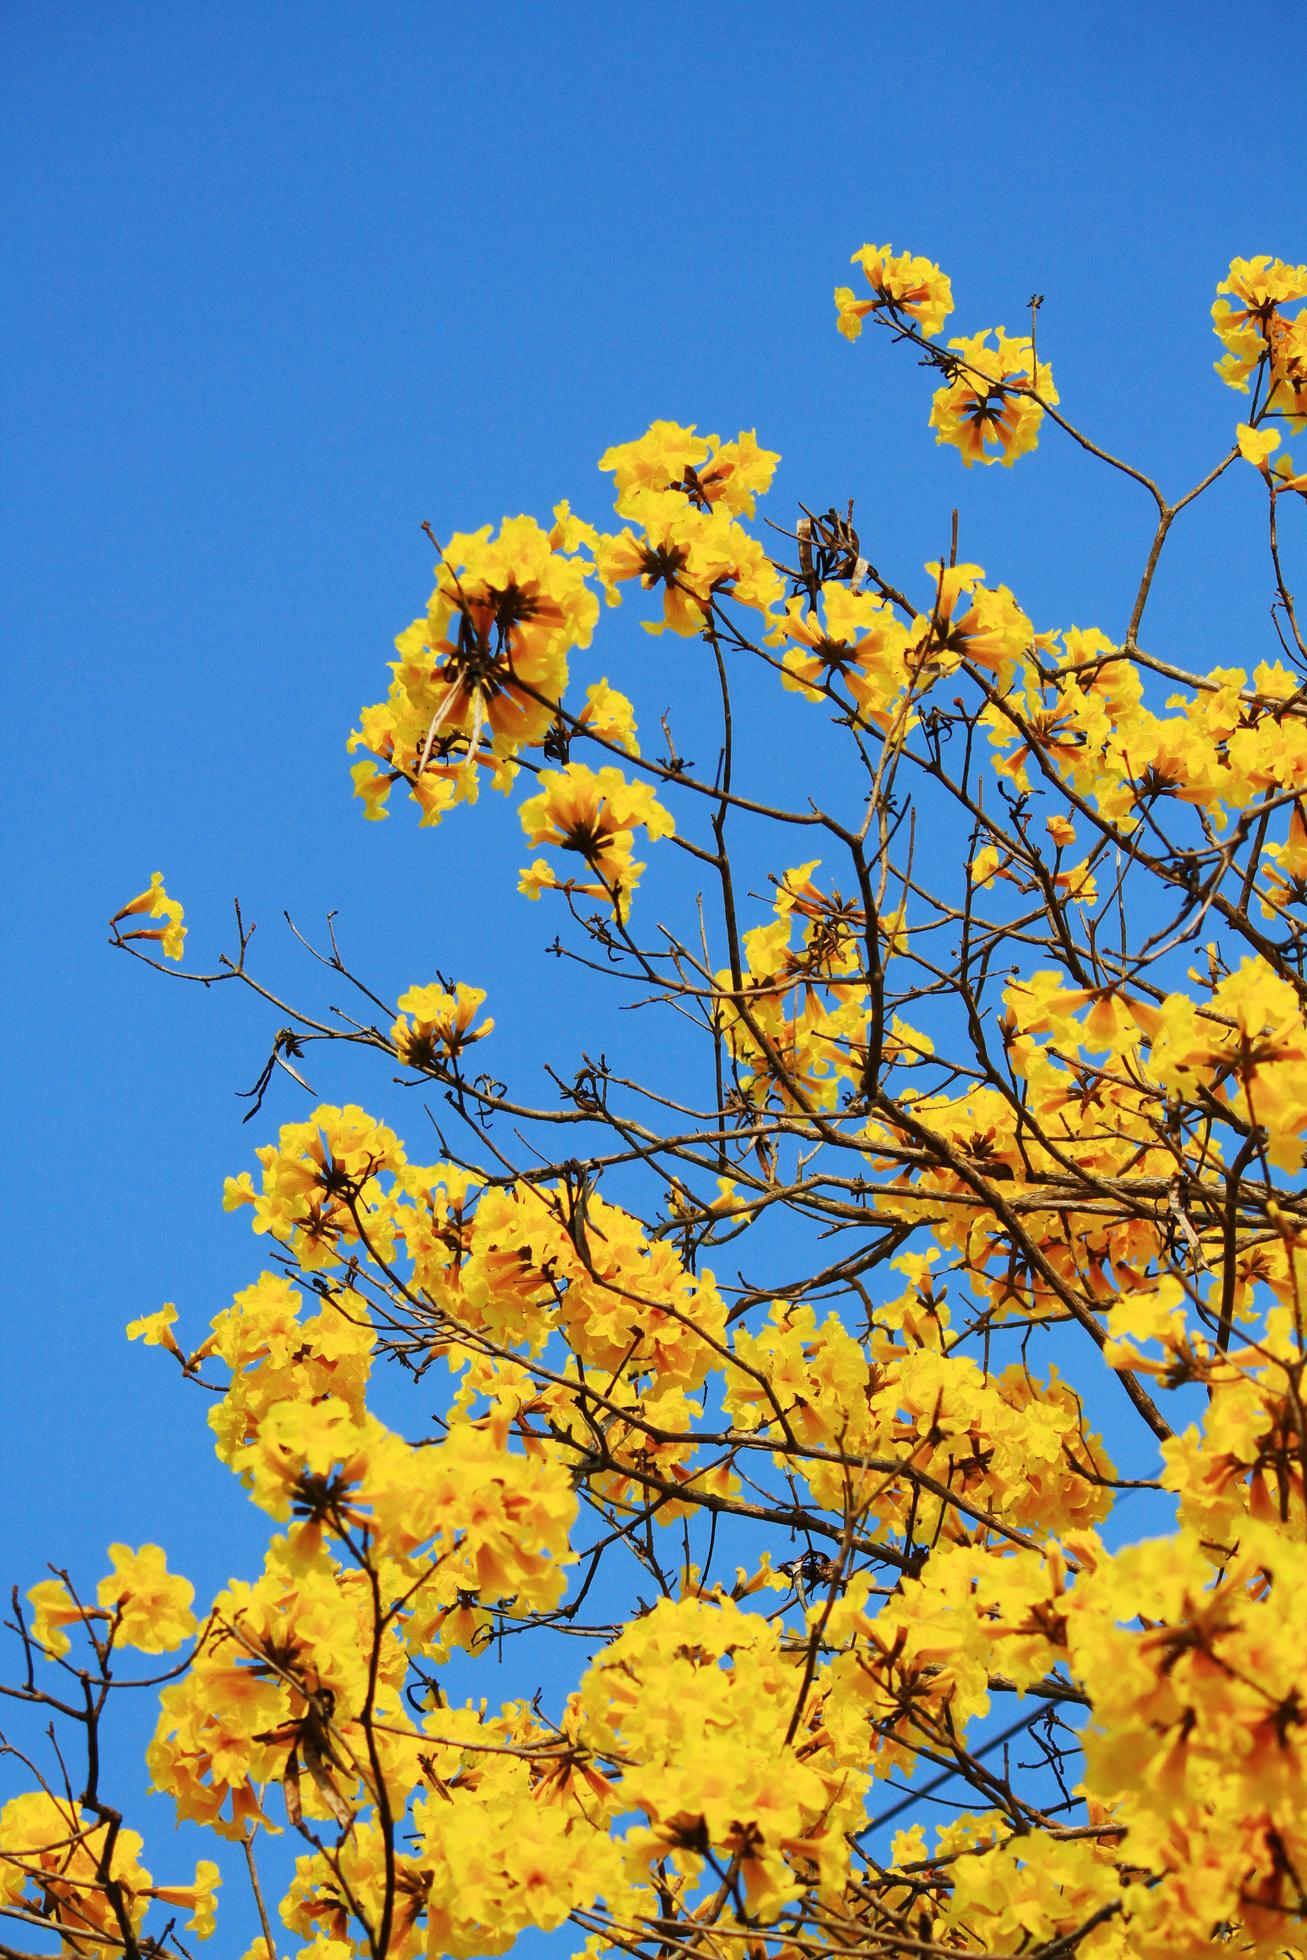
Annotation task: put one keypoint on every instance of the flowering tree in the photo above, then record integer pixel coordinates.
(767, 1384)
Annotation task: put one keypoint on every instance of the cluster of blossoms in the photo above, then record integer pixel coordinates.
(901, 284)
(1255, 328)
(479, 677)
(994, 402)
(1263, 339)
(436, 1025)
(69, 1863)
(593, 812)
(994, 398)
(481, 683)
(68, 1869)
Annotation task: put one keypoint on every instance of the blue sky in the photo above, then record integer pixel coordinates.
(285, 281)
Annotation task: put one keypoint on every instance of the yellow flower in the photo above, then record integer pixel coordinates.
(1257, 446)
(968, 621)
(594, 813)
(654, 461)
(1257, 328)
(570, 533)
(54, 1861)
(738, 472)
(855, 639)
(986, 865)
(373, 787)
(155, 1329)
(989, 399)
(607, 712)
(199, 1900)
(153, 1605)
(694, 555)
(156, 904)
(479, 676)
(1078, 882)
(705, 470)
(441, 1025)
(900, 283)
(53, 1609)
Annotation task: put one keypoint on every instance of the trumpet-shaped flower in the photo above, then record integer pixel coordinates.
(154, 903)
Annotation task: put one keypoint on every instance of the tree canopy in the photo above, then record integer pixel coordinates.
(759, 1375)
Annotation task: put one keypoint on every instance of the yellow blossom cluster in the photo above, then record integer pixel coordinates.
(435, 1025)
(797, 1022)
(709, 473)
(993, 403)
(694, 1699)
(884, 661)
(1079, 716)
(80, 1876)
(320, 1189)
(594, 813)
(140, 1604)
(901, 283)
(479, 677)
(481, 681)
(932, 1446)
(692, 556)
(994, 396)
(1254, 327)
